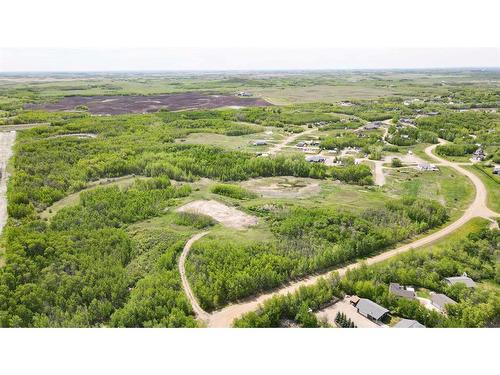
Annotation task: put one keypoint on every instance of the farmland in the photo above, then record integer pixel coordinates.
(189, 200)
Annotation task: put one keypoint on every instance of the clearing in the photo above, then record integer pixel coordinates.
(227, 216)
(283, 187)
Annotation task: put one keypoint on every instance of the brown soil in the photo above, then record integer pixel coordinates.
(115, 105)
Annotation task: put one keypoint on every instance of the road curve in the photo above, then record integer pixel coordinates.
(277, 147)
(225, 316)
(200, 313)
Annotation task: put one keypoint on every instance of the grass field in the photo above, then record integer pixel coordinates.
(449, 187)
(491, 184)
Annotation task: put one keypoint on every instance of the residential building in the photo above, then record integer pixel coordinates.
(469, 283)
(401, 291)
(371, 310)
(440, 301)
(408, 323)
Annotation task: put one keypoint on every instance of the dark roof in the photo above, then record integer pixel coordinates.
(408, 323)
(469, 283)
(440, 300)
(315, 158)
(367, 307)
(399, 291)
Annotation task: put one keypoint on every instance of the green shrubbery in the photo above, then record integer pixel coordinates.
(232, 191)
(195, 220)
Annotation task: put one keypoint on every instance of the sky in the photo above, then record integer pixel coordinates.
(57, 35)
(206, 59)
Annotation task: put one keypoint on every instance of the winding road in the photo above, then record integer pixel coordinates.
(277, 147)
(199, 312)
(225, 316)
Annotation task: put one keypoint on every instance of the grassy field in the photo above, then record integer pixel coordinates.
(449, 187)
(491, 184)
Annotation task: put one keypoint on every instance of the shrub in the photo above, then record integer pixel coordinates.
(232, 191)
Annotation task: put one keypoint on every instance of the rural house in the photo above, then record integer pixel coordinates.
(315, 159)
(469, 283)
(440, 301)
(427, 167)
(401, 291)
(408, 323)
(371, 310)
(260, 143)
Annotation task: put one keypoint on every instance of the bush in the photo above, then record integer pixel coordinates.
(232, 191)
(396, 163)
(195, 220)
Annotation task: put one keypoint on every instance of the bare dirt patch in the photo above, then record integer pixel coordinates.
(115, 105)
(227, 216)
(283, 187)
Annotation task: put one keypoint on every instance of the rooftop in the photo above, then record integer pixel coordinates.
(440, 300)
(367, 307)
(400, 291)
(408, 323)
(461, 279)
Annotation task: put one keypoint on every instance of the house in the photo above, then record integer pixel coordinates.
(427, 167)
(243, 93)
(408, 323)
(478, 155)
(432, 113)
(440, 301)
(315, 159)
(371, 310)
(496, 169)
(407, 121)
(401, 291)
(260, 143)
(469, 283)
(373, 125)
(301, 144)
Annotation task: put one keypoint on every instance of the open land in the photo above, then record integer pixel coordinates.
(221, 192)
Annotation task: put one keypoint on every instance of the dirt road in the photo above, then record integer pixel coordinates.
(277, 147)
(7, 140)
(225, 316)
(200, 313)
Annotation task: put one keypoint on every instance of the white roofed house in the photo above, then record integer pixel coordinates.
(260, 142)
(464, 279)
(427, 167)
